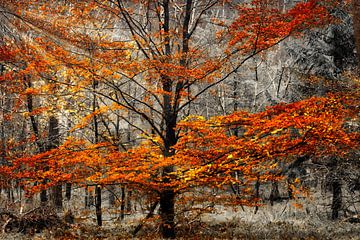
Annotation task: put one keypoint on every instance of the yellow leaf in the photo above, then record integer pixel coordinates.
(276, 131)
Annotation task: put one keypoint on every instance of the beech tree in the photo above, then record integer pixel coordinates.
(154, 59)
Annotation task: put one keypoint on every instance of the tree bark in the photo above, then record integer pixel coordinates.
(96, 136)
(167, 209)
(275, 194)
(257, 193)
(43, 196)
(54, 142)
(68, 191)
(57, 196)
(128, 202)
(337, 198)
(98, 205)
(356, 25)
(122, 205)
(167, 196)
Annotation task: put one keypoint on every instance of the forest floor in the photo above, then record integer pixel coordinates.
(226, 230)
(281, 221)
(304, 218)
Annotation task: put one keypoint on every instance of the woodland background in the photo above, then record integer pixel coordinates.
(189, 119)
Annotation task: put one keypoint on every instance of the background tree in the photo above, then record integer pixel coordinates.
(356, 22)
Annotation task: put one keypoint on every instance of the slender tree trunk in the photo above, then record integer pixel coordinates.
(57, 196)
(275, 194)
(68, 185)
(122, 205)
(96, 135)
(337, 198)
(68, 191)
(91, 197)
(10, 194)
(43, 196)
(290, 183)
(356, 25)
(98, 205)
(334, 179)
(128, 202)
(257, 193)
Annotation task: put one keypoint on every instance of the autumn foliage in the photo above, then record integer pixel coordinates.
(207, 154)
(69, 53)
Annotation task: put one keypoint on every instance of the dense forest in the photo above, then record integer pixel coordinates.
(190, 119)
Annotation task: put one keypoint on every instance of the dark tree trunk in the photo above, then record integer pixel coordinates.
(96, 136)
(335, 180)
(257, 193)
(167, 209)
(122, 206)
(290, 188)
(167, 203)
(167, 196)
(275, 194)
(98, 205)
(57, 196)
(128, 202)
(337, 198)
(91, 198)
(356, 24)
(43, 196)
(68, 191)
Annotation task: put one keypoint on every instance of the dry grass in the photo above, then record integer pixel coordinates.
(281, 221)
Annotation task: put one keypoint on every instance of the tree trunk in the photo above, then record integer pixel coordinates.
(356, 25)
(128, 202)
(54, 142)
(43, 196)
(167, 209)
(275, 194)
(10, 194)
(122, 205)
(257, 193)
(68, 191)
(290, 183)
(98, 205)
(57, 196)
(337, 198)
(96, 138)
